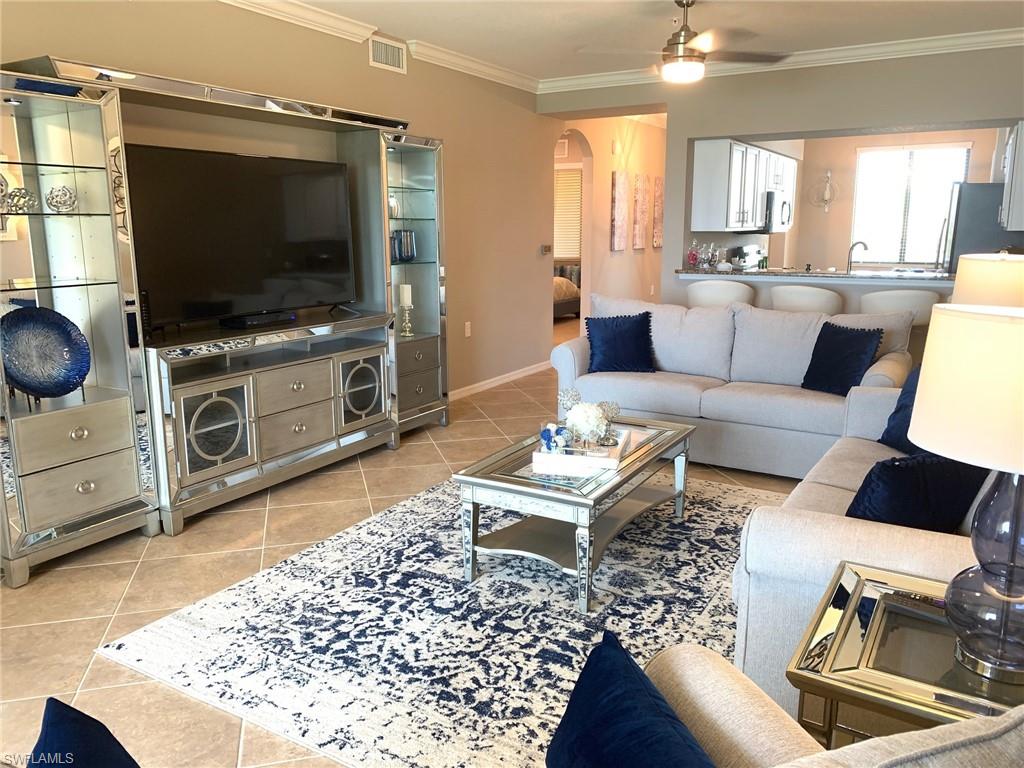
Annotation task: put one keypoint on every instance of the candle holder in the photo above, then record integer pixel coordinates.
(406, 321)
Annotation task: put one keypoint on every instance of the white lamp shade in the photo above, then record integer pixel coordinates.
(989, 278)
(970, 398)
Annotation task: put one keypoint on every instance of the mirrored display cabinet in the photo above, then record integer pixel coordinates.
(72, 438)
(415, 249)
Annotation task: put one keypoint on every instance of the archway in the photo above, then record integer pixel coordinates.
(573, 173)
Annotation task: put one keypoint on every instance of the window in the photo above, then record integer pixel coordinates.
(901, 200)
(568, 213)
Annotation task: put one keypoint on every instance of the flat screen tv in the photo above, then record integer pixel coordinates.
(223, 236)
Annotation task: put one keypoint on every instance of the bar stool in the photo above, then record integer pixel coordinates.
(718, 293)
(918, 302)
(806, 298)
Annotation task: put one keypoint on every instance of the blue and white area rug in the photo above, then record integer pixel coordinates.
(369, 648)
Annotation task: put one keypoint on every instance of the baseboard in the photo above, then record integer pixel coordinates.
(472, 389)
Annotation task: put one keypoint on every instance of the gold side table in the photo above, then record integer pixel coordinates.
(877, 659)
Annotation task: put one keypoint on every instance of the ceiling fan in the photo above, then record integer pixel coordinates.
(686, 52)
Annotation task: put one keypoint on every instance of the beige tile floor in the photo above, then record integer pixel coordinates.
(565, 328)
(49, 628)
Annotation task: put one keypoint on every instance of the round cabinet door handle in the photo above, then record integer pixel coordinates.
(299, 428)
(78, 433)
(419, 389)
(298, 386)
(419, 354)
(85, 486)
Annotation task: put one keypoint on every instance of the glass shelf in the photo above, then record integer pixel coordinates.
(396, 188)
(46, 168)
(45, 215)
(412, 218)
(413, 263)
(45, 284)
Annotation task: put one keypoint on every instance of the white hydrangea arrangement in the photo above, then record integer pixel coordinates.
(587, 421)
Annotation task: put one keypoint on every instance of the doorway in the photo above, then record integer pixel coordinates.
(573, 180)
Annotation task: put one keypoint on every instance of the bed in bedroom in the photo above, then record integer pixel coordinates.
(566, 289)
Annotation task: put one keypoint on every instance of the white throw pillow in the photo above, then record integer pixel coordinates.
(773, 346)
(895, 324)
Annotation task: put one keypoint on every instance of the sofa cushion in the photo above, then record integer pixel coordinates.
(895, 327)
(694, 341)
(617, 717)
(846, 463)
(620, 343)
(775, 405)
(772, 346)
(677, 394)
(817, 497)
(924, 491)
(840, 358)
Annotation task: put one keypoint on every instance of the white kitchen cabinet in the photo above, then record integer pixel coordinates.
(730, 185)
(1011, 212)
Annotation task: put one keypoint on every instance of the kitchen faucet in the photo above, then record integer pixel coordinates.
(849, 254)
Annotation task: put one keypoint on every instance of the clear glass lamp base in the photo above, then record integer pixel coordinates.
(985, 603)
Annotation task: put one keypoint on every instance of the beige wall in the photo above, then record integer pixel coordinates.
(942, 91)
(823, 239)
(498, 195)
(632, 273)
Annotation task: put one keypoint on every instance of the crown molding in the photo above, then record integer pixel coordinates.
(300, 14)
(442, 57)
(850, 54)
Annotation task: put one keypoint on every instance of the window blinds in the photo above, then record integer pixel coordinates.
(568, 213)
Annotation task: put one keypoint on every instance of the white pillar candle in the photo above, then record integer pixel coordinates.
(405, 295)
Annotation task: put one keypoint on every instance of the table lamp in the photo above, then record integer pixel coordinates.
(989, 278)
(970, 407)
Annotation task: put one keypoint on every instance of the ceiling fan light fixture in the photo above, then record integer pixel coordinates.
(687, 69)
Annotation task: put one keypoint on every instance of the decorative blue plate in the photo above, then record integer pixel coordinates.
(45, 354)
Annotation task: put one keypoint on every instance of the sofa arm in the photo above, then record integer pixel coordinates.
(776, 538)
(571, 360)
(889, 370)
(737, 724)
(868, 410)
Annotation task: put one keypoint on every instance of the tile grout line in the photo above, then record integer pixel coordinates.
(241, 741)
(120, 600)
(362, 476)
(266, 524)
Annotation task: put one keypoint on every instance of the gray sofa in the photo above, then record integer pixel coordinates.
(788, 554)
(735, 372)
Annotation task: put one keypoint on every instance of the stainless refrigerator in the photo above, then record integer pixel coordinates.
(972, 225)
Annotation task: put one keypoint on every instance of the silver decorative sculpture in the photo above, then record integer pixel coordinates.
(20, 200)
(62, 199)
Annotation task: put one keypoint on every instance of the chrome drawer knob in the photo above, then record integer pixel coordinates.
(419, 389)
(298, 386)
(85, 486)
(419, 354)
(78, 433)
(299, 428)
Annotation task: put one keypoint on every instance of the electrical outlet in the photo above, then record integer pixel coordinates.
(469, 329)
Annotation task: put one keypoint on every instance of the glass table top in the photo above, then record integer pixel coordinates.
(513, 466)
(887, 632)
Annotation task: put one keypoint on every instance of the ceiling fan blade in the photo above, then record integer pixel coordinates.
(747, 57)
(716, 38)
(592, 50)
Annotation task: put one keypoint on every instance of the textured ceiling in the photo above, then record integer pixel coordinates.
(542, 39)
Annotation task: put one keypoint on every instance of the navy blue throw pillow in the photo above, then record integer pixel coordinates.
(72, 737)
(621, 344)
(922, 491)
(840, 358)
(616, 717)
(896, 428)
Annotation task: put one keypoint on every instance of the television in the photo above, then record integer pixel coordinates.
(221, 236)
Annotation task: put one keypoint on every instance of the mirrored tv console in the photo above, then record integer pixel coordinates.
(243, 411)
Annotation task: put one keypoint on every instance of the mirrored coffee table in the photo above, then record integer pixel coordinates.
(569, 520)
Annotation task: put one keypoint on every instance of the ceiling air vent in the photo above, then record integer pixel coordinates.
(387, 54)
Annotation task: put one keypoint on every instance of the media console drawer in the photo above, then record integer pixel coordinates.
(50, 439)
(67, 493)
(419, 355)
(418, 389)
(291, 430)
(283, 388)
